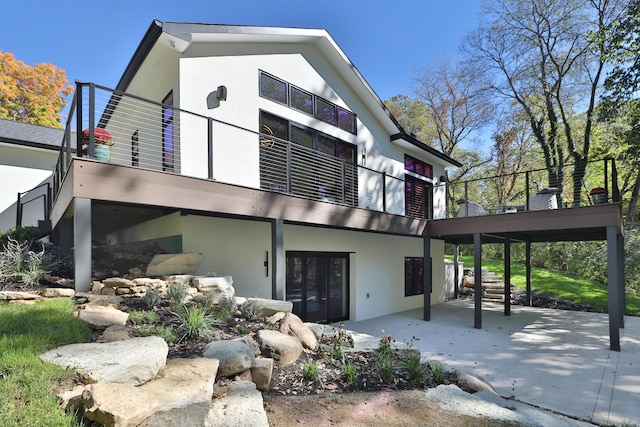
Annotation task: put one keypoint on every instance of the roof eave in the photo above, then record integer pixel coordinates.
(417, 143)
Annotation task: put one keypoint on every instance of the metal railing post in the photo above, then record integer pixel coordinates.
(79, 88)
(384, 191)
(210, 147)
(526, 192)
(289, 162)
(92, 121)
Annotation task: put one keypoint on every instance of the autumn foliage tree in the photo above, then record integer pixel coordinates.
(32, 94)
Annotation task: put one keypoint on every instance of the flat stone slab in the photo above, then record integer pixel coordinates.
(171, 264)
(240, 406)
(133, 361)
(178, 396)
(16, 295)
(101, 317)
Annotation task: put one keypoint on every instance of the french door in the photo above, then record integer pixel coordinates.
(318, 285)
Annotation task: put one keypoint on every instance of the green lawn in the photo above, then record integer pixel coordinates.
(558, 284)
(26, 331)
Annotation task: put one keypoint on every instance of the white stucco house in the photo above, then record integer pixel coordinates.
(28, 154)
(265, 150)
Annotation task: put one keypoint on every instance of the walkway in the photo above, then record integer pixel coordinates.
(556, 359)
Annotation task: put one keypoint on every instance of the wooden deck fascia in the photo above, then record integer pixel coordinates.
(122, 184)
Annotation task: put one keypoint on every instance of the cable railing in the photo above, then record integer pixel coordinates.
(537, 189)
(146, 134)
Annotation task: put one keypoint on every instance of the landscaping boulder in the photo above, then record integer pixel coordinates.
(16, 295)
(114, 362)
(169, 264)
(178, 396)
(234, 356)
(115, 333)
(473, 383)
(283, 348)
(216, 287)
(101, 317)
(272, 306)
(241, 405)
(261, 373)
(58, 293)
(293, 325)
(117, 282)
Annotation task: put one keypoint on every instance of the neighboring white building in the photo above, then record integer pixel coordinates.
(265, 150)
(28, 155)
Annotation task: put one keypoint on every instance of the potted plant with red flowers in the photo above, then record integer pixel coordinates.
(598, 195)
(103, 143)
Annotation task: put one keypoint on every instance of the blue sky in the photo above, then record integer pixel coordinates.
(93, 41)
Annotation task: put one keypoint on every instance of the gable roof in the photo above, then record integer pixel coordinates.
(29, 135)
(182, 34)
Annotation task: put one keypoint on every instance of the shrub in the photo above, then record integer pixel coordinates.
(339, 342)
(162, 331)
(349, 371)
(19, 263)
(436, 372)
(310, 370)
(143, 317)
(384, 346)
(152, 297)
(202, 300)
(227, 304)
(251, 309)
(195, 322)
(177, 293)
(416, 370)
(385, 368)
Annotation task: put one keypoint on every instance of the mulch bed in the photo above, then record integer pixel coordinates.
(288, 380)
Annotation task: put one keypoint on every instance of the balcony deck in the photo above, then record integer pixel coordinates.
(584, 223)
(148, 194)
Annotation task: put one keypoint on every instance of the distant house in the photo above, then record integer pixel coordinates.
(265, 150)
(28, 154)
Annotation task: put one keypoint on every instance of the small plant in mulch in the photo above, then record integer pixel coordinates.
(152, 297)
(196, 322)
(143, 317)
(251, 310)
(349, 372)
(416, 369)
(310, 370)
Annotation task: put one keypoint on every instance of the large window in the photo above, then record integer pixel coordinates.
(413, 276)
(299, 99)
(168, 149)
(418, 166)
(313, 165)
(418, 197)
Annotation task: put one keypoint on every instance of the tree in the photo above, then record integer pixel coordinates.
(621, 100)
(32, 94)
(457, 101)
(511, 154)
(411, 114)
(548, 57)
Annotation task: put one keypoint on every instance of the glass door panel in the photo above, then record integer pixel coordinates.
(318, 285)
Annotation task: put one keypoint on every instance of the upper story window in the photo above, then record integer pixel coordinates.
(273, 88)
(299, 99)
(168, 149)
(418, 166)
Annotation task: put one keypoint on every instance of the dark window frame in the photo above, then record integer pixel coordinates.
(417, 166)
(413, 276)
(351, 127)
(168, 139)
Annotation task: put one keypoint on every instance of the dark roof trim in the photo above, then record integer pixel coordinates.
(415, 141)
(149, 39)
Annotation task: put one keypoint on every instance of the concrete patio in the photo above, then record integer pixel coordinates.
(555, 359)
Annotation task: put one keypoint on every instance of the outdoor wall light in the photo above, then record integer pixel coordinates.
(221, 93)
(214, 98)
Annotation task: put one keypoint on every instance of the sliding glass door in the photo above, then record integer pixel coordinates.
(318, 285)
